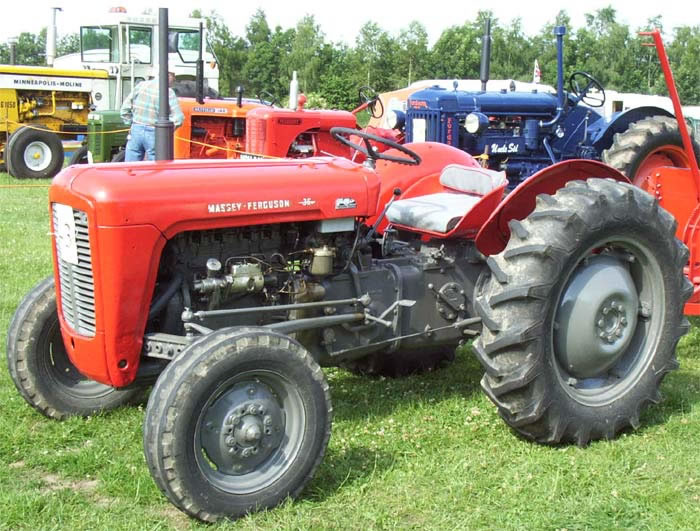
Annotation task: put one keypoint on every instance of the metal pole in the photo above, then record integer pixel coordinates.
(164, 127)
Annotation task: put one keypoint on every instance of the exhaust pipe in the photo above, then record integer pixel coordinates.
(293, 91)
(486, 55)
(51, 37)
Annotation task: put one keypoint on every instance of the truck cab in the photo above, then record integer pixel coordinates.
(126, 46)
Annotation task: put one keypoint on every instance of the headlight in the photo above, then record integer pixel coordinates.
(476, 122)
(396, 119)
(94, 116)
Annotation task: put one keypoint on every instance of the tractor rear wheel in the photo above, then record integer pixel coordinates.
(399, 364)
(582, 313)
(40, 367)
(646, 145)
(34, 153)
(238, 422)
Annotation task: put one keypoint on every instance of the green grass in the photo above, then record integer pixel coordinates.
(421, 452)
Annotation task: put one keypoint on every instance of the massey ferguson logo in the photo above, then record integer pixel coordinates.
(344, 203)
(224, 208)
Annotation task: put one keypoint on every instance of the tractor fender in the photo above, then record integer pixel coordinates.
(619, 122)
(494, 234)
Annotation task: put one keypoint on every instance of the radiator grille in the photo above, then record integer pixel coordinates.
(433, 126)
(77, 287)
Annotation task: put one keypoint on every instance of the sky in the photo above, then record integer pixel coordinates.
(341, 21)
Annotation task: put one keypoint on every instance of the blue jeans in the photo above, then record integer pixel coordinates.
(142, 141)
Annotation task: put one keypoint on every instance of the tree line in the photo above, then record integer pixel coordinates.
(330, 72)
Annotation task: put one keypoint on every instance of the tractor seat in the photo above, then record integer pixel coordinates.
(441, 212)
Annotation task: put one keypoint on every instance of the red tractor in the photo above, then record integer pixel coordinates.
(230, 283)
(302, 133)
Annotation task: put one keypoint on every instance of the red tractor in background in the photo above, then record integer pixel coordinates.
(301, 133)
(232, 295)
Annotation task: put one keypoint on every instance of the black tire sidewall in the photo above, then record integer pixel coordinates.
(31, 328)
(80, 156)
(190, 395)
(22, 138)
(654, 238)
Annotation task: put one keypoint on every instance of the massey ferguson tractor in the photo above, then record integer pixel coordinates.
(231, 283)
(522, 132)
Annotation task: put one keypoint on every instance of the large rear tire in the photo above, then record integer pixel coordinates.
(646, 145)
(40, 367)
(238, 422)
(582, 312)
(34, 153)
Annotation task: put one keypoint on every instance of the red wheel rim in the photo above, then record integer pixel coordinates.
(668, 155)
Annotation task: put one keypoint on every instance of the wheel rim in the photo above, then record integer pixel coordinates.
(60, 371)
(608, 321)
(37, 156)
(668, 155)
(250, 431)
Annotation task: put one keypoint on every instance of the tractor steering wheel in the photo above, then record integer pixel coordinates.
(271, 100)
(340, 133)
(592, 100)
(369, 99)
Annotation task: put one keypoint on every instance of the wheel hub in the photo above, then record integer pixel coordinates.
(243, 428)
(37, 156)
(596, 317)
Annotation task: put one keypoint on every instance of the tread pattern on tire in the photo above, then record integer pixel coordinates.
(172, 390)
(513, 306)
(626, 151)
(20, 338)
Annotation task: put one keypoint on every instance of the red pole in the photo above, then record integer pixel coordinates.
(673, 92)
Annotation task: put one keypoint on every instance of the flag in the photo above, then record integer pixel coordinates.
(536, 74)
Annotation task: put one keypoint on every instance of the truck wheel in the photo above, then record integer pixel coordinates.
(582, 312)
(40, 367)
(646, 145)
(80, 156)
(238, 422)
(34, 153)
(399, 364)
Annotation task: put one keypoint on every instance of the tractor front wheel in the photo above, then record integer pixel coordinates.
(238, 422)
(34, 153)
(40, 367)
(647, 145)
(582, 312)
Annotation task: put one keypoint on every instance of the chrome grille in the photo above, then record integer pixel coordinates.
(77, 287)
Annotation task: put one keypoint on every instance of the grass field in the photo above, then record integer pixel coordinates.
(426, 452)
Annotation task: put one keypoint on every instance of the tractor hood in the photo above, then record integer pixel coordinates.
(530, 103)
(185, 195)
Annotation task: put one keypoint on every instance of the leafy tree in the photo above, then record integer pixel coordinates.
(305, 54)
(413, 54)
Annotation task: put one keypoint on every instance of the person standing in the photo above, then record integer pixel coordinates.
(140, 110)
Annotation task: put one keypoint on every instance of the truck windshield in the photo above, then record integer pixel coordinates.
(184, 42)
(99, 44)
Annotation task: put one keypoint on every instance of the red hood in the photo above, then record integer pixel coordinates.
(186, 195)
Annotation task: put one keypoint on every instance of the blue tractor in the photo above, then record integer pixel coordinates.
(523, 132)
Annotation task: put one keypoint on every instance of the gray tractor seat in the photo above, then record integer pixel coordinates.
(441, 212)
